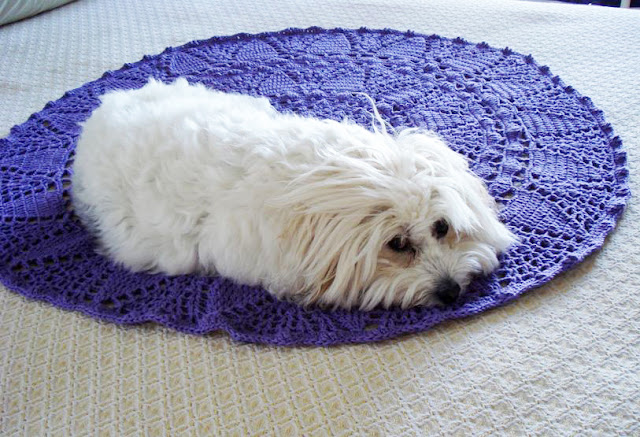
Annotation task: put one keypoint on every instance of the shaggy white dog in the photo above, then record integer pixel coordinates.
(178, 178)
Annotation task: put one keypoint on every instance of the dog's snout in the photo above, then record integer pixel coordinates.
(447, 291)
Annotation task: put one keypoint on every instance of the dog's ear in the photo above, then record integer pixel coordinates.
(336, 219)
(333, 219)
(335, 257)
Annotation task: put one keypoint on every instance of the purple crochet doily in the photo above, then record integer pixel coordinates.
(545, 152)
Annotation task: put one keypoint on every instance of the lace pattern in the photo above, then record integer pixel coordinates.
(545, 151)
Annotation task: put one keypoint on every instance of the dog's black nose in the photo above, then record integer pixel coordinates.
(447, 291)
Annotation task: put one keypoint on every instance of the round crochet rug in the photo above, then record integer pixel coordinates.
(546, 154)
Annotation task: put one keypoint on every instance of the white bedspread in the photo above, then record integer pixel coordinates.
(561, 360)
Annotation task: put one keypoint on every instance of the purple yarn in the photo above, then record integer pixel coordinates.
(546, 153)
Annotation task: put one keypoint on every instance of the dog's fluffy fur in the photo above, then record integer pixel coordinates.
(178, 178)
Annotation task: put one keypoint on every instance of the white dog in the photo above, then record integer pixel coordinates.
(178, 178)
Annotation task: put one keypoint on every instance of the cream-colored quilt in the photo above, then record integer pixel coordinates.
(561, 360)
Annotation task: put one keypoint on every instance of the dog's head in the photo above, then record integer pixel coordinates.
(390, 220)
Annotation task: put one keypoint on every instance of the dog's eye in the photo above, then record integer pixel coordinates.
(400, 243)
(440, 228)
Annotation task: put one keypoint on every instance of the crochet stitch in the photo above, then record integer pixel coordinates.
(545, 151)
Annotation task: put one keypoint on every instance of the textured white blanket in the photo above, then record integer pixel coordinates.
(562, 360)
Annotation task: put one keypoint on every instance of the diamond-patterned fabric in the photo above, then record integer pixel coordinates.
(563, 360)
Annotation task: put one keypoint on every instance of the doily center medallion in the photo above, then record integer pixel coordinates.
(546, 153)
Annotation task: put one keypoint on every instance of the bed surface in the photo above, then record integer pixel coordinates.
(561, 360)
